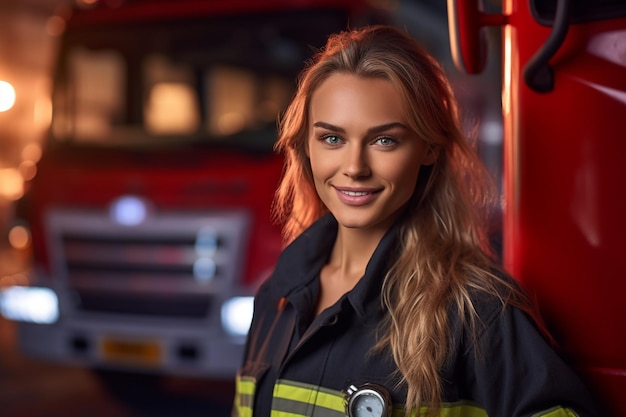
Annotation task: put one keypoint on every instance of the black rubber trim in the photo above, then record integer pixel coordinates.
(581, 11)
(538, 74)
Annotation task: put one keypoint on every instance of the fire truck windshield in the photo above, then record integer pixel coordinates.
(214, 81)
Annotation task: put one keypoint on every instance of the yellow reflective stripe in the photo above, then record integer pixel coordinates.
(284, 414)
(556, 412)
(295, 399)
(244, 395)
(310, 394)
(457, 409)
(462, 409)
(245, 385)
(468, 409)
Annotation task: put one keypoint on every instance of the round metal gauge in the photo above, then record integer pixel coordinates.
(369, 400)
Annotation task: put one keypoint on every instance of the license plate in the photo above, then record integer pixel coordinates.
(131, 352)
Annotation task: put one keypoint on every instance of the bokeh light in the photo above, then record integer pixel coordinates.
(11, 184)
(7, 96)
(19, 237)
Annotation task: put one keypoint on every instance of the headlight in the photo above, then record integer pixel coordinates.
(30, 304)
(129, 210)
(237, 315)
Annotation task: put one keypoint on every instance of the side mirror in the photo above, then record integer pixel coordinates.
(467, 41)
(469, 46)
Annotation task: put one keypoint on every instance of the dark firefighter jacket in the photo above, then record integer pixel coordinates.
(296, 365)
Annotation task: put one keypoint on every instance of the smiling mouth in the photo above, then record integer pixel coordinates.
(357, 197)
(355, 193)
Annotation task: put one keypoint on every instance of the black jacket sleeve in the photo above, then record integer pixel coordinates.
(515, 372)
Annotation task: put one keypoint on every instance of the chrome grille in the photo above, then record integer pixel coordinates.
(172, 264)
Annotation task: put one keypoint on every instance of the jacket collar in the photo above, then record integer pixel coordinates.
(300, 263)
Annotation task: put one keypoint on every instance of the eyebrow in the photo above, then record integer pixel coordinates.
(375, 129)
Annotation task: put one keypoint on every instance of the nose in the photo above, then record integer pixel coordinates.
(356, 164)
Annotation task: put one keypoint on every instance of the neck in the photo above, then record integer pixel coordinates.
(352, 251)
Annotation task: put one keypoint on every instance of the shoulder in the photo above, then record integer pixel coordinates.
(508, 352)
(493, 307)
(511, 355)
(499, 296)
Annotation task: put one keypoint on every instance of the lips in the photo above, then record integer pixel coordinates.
(355, 193)
(357, 197)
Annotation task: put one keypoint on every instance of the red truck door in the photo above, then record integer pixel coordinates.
(564, 110)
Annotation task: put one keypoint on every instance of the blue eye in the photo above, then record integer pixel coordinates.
(332, 139)
(385, 141)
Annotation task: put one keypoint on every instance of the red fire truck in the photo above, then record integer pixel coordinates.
(564, 107)
(150, 213)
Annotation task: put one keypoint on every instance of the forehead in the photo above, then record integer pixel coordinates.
(345, 97)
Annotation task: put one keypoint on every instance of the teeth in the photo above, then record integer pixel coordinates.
(355, 193)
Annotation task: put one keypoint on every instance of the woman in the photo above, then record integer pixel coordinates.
(386, 300)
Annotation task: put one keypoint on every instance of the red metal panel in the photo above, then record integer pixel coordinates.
(565, 202)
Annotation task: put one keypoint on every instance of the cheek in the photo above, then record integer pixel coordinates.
(403, 174)
(409, 182)
(322, 166)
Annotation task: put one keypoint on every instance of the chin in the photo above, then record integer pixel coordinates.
(358, 222)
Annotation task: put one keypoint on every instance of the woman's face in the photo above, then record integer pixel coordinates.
(364, 158)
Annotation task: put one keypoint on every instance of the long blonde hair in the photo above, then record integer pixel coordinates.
(444, 254)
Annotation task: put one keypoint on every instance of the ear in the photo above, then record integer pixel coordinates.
(431, 155)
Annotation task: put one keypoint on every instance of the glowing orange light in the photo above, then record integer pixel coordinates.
(11, 184)
(32, 152)
(19, 237)
(7, 96)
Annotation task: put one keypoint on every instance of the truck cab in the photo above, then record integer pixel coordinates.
(150, 213)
